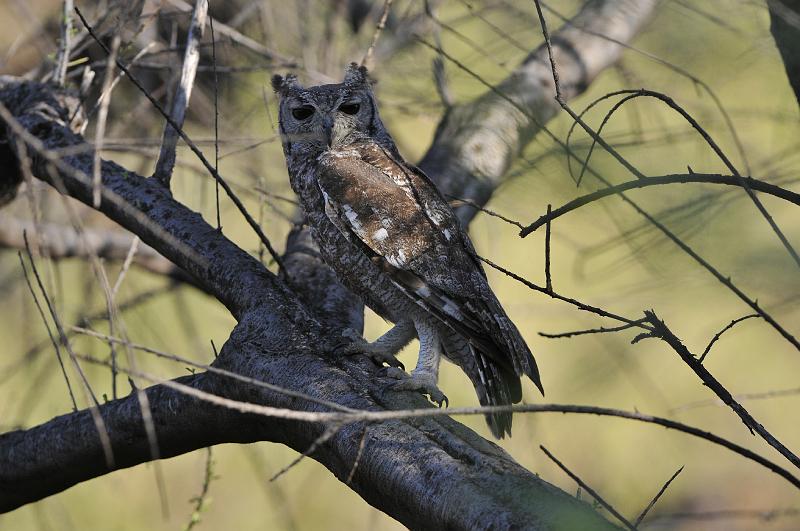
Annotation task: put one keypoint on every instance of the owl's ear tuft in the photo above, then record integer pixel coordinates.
(356, 75)
(282, 85)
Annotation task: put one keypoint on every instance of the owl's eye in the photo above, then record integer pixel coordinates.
(302, 113)
(350, 108)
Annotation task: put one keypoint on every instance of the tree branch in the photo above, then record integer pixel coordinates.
(476, 142)
(709, 178)
(61, 241)
(277, 340)
(426, 472)
(183, 92)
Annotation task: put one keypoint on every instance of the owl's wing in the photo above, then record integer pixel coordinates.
(399, 217)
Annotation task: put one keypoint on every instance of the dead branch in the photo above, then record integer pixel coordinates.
(681, 178)
(183, 92)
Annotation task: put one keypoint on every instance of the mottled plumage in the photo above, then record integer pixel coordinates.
(385, 229)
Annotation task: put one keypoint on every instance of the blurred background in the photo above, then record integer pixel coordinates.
(603, 254)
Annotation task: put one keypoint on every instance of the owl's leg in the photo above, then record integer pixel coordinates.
(385, 348)
(425, 375)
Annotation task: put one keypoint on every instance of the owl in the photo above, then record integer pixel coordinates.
(385, 229)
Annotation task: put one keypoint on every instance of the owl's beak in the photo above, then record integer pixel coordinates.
(327, 129)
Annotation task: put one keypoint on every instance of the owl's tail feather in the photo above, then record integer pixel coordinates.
(494, 384)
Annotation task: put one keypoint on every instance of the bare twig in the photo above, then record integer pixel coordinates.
(202, 499)
(94, 405)
(341, 418)
(191, 58)
(245, 41)
(49, 332)
(102, 115)
(680, 178)
(586, 307)
(387, 5)
(548, 279)
(228, 190)
(719, 334)
(590, 490)
(639, 175)
(457, 201)
(125, 266)
(655, 499)
(329, 432)
(65, 45)
(660, 330)
(210, 368)
(361, 444)
(705, 135)
(216, 119)
(601, 330)
(776, 393)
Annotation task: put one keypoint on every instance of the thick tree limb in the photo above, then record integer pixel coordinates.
(477, 142)
(424, 472)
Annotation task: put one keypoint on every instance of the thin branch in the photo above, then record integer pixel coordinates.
(202, 499)
(183, 93)
(326, 435)
(711, 143)
(102, 115)
(386, 415)
(457, 201)
(776, 393)
(215, 370)
(655, 499)
(216, 119)
(361, 444)
(680, 178)
(94, 405)
(65, 45)
(245, 41)
(660, 330)
(225, 186)
(49, 332)
(387, 5)
(58, 241)
(548, 280)
(719, 334)
(590, 490)
(601, 330)
(725, 281)
(585, 307)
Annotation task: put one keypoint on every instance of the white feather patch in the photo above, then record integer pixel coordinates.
(380, 234)
(352, 217)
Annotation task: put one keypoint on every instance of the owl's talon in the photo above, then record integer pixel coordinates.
(421, 382)
(355, 344)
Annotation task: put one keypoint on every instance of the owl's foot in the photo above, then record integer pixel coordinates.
(420, 381)
(377, 352)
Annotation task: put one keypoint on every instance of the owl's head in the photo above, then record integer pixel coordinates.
(315, 119)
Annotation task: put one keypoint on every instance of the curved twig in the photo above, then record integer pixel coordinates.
(678, 178)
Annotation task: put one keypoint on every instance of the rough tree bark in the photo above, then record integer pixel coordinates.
(426, 472)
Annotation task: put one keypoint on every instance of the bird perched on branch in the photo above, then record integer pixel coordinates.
(390, 236)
